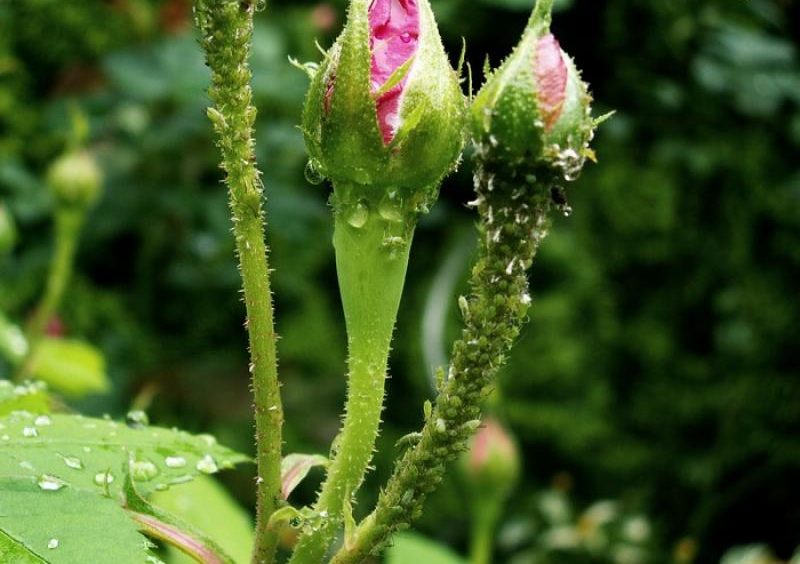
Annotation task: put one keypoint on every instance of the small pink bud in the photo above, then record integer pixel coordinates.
(551, 75)
(492, 463)
(393, 40)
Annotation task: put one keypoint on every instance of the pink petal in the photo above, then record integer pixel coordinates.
(551, 77)
(394, 36)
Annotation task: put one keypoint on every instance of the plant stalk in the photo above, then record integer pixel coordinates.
(371, 278)
(68, 223)
(226, 29)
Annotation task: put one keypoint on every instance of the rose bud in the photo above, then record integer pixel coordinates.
(75, 179)
(492, 463)
(535, 109)
(385, 108)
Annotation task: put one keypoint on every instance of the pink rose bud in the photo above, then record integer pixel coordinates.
(534, 111)
(385, 109)
(492, 463)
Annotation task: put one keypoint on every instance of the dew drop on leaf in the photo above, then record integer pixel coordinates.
(175, 461)
(207, 465)
(42, 421)
(143, 470)
(73, 462)
(136, 419)
(30, 432)
(50, 483)
(103, 478)
(52, 543)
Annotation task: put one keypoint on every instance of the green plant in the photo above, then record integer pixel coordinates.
(385, 121)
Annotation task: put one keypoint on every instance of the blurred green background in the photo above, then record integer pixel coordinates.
(661, 365)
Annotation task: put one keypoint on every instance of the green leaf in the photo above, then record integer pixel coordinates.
(410, 547)
(294, 469)
(13, 344)
(95, 453)
(31, 396)
(70, 366)
(207, 506)
(65, 526)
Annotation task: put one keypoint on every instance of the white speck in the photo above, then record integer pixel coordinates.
(103, 478)
(52, 543)
(30, 432)
(42, 421)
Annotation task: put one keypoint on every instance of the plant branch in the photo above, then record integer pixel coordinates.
(226, 28)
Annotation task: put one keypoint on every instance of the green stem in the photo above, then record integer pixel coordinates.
(226, 28)
(68, 223)
(485, 516)
(371, 265)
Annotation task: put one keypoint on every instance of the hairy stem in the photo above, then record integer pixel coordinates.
(513, 207)
(371, 278)
(68, 223)
(226, 28)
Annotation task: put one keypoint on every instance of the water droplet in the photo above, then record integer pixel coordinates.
(42, 421)
(406, 37)
(207, 465)
(137, 419)
(103, 478)
(175, 461)
(357, 215)
(390, 207)
(30, 432)
(210, 440)
(52, 543)
(143, 470)
(50, 483)
(313, 173)
(73, 462)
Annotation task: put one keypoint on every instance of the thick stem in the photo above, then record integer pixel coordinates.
(371, 265)
(226, 28)
(514, 219)
(68, 223)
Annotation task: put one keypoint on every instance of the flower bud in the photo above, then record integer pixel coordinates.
(535, 109)
(385, 108)
(491, 465)
(8, 231)
(75, 179)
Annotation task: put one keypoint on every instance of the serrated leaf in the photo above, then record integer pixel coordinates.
(410, 547)
(294, 469)
(30, 396)
(207, 506)
(95, 453)
(70, 366)
(64, 527)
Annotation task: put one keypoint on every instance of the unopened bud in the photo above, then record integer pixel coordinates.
(492, 463)
(535, 110)
(385, 108)
(75, 179)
